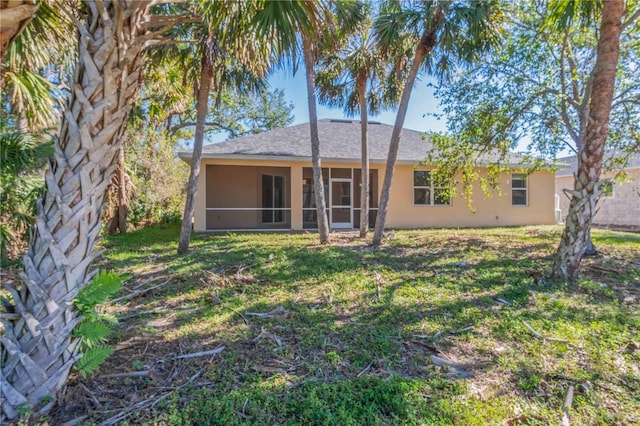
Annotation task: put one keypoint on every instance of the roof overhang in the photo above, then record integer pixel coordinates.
(186, 156)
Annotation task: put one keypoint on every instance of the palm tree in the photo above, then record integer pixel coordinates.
(356, 78)
(449, 33)
(202, 108)
(590, 156)
(228, 51)
(14, 17)
(307, 26)
(38, 349)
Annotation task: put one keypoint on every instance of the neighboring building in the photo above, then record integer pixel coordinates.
(265, 181)
(619, 205)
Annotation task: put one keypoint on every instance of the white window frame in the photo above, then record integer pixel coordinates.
(525, 177)
(432, 191)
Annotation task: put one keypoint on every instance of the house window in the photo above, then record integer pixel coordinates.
(272, 199)
(426, 192)
(606, 187)
(519, 189)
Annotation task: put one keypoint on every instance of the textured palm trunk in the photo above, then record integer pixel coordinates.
(123, 195)
(584, 196)
(14, 16)
(424, 47)
(318, 185)
(202, 108)
(364, 179)
(38, 349)
(118, 198)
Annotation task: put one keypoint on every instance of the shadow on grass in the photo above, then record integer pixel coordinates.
(346, 352)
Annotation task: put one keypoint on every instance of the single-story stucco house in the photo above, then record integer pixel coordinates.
(265, 181)
(619, 205)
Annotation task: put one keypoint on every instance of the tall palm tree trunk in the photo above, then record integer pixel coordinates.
(364, 179)
(118, 198)
(318, 185)
(123, 196)
(38, 349)
(202, 108)
(14, 16)
(424, 47)
(585, 193)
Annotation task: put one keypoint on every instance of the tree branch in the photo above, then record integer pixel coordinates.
(169, 24)
(563, 103)
(625, 101)
(621, 95)
(218, 126)
(157, 2)
(155, 21)
(513, 119)
(572, 69)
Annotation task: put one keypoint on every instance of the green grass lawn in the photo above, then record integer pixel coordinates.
(355, 341)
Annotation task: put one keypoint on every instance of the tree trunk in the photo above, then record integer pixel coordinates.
(14, 16)
(38, 349)
(426, 43)
(202, 108)
(318, 185)
(123, 196)
(586, 192)
(361, 84)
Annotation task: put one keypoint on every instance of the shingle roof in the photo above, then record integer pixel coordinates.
(339, 141)
(633, 162)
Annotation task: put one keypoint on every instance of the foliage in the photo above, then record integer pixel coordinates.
(536, 89)
(350, 348)
(358, 55)
(93, 333)
(30, 107)
(95, 328)
(92, 359)
(459, 163)
(29, 69)
(22, 156)
(103, 286)
(456, 34)
(240, 113)
(150, 158)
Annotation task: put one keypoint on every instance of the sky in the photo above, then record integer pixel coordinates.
(421, 103)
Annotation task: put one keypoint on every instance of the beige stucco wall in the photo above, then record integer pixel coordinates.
(495, 210)
(621, 209)
(489, 211)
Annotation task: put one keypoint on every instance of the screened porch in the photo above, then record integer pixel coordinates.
(248, 197)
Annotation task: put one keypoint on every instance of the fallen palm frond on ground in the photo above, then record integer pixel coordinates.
(437, 327)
